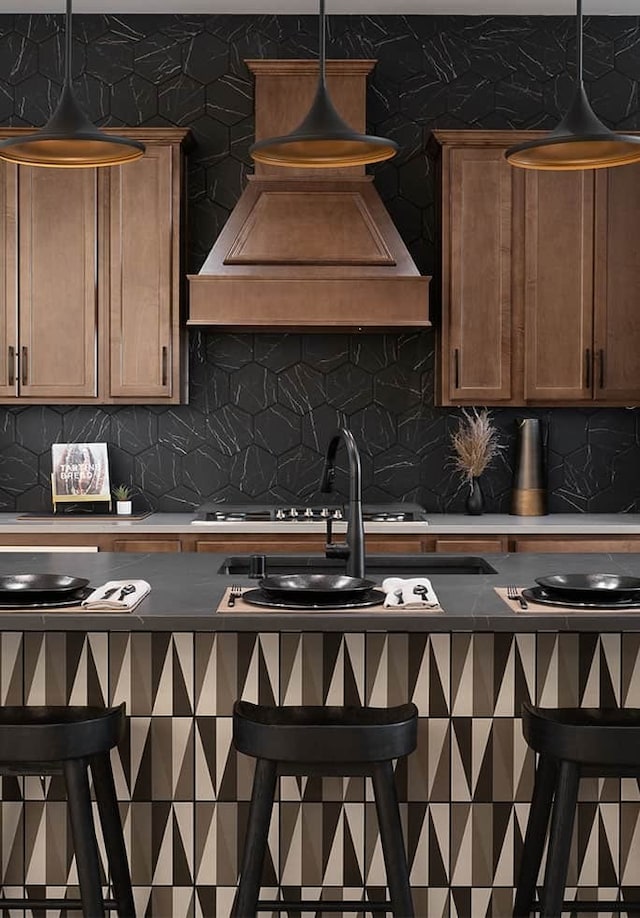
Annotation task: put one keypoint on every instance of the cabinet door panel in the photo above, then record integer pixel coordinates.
(472, 546)
(558, 285)
(141, 236)
(57, 282)
(259, 546)
(480, 292)
(146, 545)
(617, 285)
(577, 545)
(8, 281)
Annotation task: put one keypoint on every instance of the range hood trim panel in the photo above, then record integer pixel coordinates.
(259, 275)
(300, 209)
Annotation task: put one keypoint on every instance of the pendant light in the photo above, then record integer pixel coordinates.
(581, 140)
(323, 139)
(69, 139)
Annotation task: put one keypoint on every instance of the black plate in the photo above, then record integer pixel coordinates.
(37, 586)
(544, 598)
(591, 587)
(258, 598)
(315, 588)
(27, 603)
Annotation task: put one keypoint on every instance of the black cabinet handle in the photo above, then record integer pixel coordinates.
(456, 365)
(164, 365)
(25, 366)
(601, 366)
(12, 366)
(587, 368)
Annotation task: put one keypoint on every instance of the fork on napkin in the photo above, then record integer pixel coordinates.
(108, 595)
(400, 593)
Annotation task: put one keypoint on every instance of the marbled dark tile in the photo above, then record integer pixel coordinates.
(263, 406)
(253, 388)
(253, 471)
(277, 429)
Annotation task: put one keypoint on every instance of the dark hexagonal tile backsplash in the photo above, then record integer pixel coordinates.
(262, 407)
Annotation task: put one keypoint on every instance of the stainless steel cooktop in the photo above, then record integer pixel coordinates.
(252, 513)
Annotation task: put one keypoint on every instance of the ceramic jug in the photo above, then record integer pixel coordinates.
(529, 488)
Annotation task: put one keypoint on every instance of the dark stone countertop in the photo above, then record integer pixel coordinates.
(186, 589)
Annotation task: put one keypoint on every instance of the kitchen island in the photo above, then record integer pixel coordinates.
(184, 792)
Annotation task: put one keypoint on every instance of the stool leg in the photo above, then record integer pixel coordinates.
(113, 838)
(84, 837)
(537, 826)
(395, 860)
(255, 845)
(564, 809)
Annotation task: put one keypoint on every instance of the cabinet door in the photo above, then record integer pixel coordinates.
(558, 285)
(617, 285)
(477, 272)
(8, 281)
(146, 545)
(57, 287)
(471, 546)
(142, 211)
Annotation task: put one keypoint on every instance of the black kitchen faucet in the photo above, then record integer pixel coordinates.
(352, 549)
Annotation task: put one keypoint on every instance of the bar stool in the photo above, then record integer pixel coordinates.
(68, 741)
(572, 743)
(324, 741)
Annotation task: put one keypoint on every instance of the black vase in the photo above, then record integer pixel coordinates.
(475, 500)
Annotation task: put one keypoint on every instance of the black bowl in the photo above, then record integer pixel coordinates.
(599, 587)
(315, 588)
(36, 586)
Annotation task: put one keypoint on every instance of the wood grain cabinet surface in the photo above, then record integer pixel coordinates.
(91, 279)
(540, 273)
(313, 543)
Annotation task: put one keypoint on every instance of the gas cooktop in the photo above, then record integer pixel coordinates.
(253, 513)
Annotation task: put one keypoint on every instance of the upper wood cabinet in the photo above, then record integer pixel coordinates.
(558, 285)
(144, 276)
(57, 283)
(539, 278)
(616, 376)
(91, 279)
(477, 284)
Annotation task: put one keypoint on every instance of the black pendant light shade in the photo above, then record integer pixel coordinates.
(581, 140)
(69, 139)
(323, 139)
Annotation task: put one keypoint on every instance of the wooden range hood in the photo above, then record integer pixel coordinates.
(308, 248)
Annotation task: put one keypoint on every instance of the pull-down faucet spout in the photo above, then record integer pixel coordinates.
(353, 548)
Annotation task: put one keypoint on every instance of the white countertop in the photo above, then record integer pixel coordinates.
(437, 524)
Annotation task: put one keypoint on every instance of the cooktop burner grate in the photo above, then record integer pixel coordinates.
(252, 513)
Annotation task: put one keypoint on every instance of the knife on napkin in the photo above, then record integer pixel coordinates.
(117, 595)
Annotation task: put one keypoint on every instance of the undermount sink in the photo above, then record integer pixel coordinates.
(413, 565)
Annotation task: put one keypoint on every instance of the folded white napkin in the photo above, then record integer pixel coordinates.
(400, 594)
(129, 601)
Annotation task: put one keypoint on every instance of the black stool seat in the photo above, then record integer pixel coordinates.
(323, 734)
(54, 733)
(309, 740)
(72, 740)
(591, 736)
(572, 743)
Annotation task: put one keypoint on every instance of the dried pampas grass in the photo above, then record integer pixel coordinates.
(476, 443)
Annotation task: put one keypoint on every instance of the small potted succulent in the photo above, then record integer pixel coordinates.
(122, 494)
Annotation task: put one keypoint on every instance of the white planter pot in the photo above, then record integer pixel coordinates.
(123, 507)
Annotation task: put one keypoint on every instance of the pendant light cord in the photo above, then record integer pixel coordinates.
(322, 38)
(69, 45)
(578, 42)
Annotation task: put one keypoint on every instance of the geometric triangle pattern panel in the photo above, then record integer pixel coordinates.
(184, 792)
